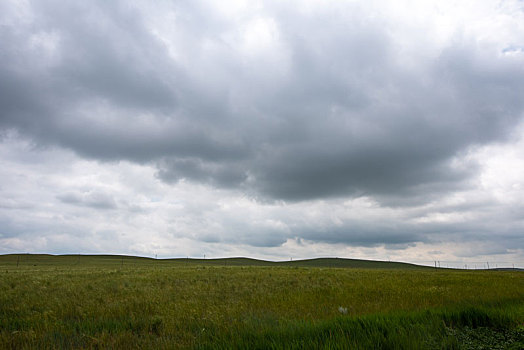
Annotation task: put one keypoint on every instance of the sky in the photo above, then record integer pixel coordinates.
(389, 130)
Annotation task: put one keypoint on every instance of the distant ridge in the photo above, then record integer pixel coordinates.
(316, 262)
(81, 259)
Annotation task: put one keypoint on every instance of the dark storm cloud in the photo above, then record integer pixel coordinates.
(219, 174)
(349, 113)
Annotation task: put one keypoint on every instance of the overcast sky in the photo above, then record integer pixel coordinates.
(269, 129)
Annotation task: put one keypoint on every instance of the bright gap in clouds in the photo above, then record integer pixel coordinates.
(364, 129)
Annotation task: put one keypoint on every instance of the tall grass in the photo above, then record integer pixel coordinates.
(415, 330)
(97, 302)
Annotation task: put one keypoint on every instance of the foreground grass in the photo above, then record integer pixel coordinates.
(105, 302)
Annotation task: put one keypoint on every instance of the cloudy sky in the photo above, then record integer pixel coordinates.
(269, 129)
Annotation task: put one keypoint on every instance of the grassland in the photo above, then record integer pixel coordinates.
(126, 302)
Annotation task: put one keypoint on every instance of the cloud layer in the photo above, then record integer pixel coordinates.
(286, 105)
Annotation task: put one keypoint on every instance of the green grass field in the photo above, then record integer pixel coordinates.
(127, 302)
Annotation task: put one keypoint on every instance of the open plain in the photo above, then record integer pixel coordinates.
(128, 302)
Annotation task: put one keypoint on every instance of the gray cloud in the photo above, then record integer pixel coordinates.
(349, 114)
(362, 236)
(218, 174)
(90, 199)
(119, 207)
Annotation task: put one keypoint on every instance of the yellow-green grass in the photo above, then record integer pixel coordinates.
(110, 301)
